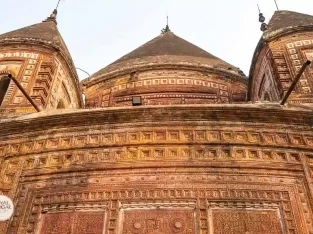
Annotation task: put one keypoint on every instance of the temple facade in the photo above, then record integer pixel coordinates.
(169, 139)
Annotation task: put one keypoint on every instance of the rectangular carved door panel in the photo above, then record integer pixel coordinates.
(56, 223)
(73, 223)
(241, 221)
(89, 223)
(159, 221)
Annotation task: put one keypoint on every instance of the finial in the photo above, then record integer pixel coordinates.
(167, 28)
(264, 26)
(53, 16)
(276, 4)
(58, 4)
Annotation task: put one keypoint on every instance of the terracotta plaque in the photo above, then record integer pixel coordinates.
(231, 221)
(57, 223)
(159, 221)
(89, 223)
(73, 223)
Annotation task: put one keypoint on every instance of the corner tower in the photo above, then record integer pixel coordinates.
(40, 61)
(166, 70)
(283, 48)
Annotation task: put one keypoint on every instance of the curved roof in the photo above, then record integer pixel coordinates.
(165, 49)
(167, 44)
(46, 32)
(285, 21)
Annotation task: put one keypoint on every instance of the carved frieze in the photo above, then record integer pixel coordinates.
(184, 209)
(143, 137)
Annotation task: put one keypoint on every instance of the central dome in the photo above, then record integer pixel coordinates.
(166, 70)
(168, 48)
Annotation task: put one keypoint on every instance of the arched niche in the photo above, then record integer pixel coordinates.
(61, 104)
(4, 86)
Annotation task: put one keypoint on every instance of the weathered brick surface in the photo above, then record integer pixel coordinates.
(194, 159)
(166, 71)
(167, 169)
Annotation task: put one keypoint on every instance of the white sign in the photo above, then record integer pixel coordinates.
(6, 208)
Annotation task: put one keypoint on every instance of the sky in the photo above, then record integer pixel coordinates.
(98, 32)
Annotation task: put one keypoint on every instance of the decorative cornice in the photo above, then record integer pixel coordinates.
(6, 72)
(243, 113)
(269, 36)
(194, 67)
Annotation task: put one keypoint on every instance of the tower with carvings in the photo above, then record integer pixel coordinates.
(40, 61)
(169, 140)
(280, 53)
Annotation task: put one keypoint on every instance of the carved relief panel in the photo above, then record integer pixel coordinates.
(290, 52)
(64, 93)
(211, 207)
(166, 87)
(44, 79)
(73, 223)
(22, 65)
(243, 221)
(159, 221)
(296, 53)
(266, 87)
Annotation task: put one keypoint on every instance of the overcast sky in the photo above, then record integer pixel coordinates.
(98, 32)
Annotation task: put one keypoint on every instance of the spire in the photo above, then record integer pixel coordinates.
(167, 28)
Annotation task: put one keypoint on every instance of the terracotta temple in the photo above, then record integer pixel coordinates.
(169, 139)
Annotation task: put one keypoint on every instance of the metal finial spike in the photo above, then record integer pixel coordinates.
(58, 4)
(167, 28)
(276, 4)
(259, 9)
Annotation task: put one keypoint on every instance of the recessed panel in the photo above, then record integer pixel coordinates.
(159, 221)
(241, 221)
